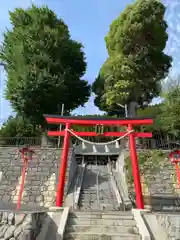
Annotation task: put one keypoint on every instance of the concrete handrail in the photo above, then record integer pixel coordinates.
(78, 187)
(125, 194)
(62, 224)
(44, 230)
(118, 196)
(47, 225)
(72, 168)
(122, 189)
(143, 230)
(1, 175)
(113, 182)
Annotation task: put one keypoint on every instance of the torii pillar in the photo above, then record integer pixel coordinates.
(130, 122)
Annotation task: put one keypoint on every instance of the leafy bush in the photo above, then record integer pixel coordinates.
(148, 161)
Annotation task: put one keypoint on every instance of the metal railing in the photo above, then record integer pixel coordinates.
(41, 141)
(158, 141)
(20, 141)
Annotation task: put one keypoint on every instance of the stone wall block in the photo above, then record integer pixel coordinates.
(41, 178)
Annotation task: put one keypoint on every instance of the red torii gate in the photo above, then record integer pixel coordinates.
(83, 120)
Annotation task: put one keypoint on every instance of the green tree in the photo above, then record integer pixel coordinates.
(137, 63)
(44, 65)
(170, 116)
(154, 112)
(19, 127)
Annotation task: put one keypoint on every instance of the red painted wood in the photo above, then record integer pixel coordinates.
(63, 168)
(135, 170)
(99, 121)
(94, 134)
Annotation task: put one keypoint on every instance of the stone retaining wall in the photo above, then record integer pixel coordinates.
(41, 178)
(21, 226)
(171, 225)
(31, 225)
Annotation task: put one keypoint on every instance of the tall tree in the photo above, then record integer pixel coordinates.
(170, 116)
(19, 127)
(137, 63)
(154, 112)
(44, 65)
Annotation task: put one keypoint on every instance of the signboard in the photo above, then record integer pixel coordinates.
(99, 129)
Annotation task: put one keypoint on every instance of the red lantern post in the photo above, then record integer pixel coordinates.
(26, 155)
(175, 159)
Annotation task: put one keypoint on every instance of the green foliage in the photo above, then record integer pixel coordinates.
(170, 117)
(19, 127)
(90, 128)
(150, 111)
(154, 112)
(137, 62)
(148, 161)
(44, 65)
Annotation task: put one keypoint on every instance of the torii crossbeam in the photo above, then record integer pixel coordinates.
(69, 121)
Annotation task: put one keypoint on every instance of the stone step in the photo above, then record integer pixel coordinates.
(94, 236)
(114, 222)
(90, 198)
(102, 215)
(98, 229)
(119, 213)
(95, 206)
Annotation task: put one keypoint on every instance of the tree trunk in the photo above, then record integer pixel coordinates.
(45, 141)
(132, 109)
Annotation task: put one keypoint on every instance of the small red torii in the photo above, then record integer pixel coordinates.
(68, 121)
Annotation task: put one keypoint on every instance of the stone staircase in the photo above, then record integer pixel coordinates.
(97, 191)
(82, 225)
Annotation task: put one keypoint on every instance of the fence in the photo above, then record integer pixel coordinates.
(20, 141)
(43, 141)
(158, 141)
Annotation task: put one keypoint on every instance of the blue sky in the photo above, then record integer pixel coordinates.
(88, 22)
